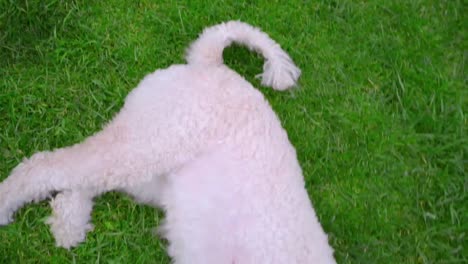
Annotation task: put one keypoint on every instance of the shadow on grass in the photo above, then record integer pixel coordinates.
(30, 26)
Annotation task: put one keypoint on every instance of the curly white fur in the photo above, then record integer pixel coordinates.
(199, 141)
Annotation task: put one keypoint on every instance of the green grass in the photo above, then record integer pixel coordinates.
(379, 120)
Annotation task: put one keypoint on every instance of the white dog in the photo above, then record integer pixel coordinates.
(199, 141)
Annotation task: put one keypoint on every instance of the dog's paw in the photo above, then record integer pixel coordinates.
(5, 218)
(70, 239)
(67, 235)
(6, 215)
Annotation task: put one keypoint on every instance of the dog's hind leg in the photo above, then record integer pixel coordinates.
(117, 158)
(97, 165)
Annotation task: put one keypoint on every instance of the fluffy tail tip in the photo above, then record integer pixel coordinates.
(280, 74)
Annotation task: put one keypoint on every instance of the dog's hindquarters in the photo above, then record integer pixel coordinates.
(279, 70)
(141, 143)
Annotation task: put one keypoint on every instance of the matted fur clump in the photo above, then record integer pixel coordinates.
(199, 141)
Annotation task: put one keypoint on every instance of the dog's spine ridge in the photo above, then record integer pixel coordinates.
(279, 71)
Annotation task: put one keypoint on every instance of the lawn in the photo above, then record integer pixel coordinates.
(379, 119)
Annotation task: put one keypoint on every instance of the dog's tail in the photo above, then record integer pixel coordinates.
(279, 70)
